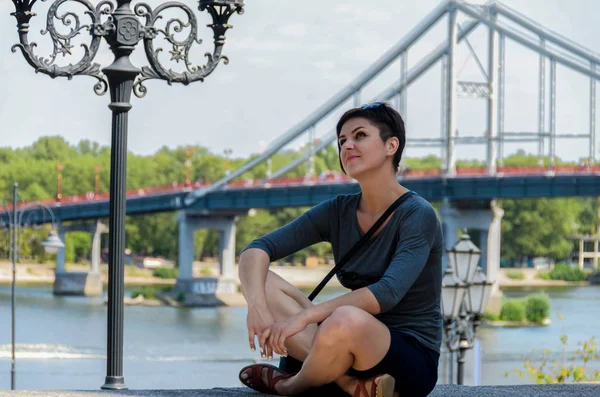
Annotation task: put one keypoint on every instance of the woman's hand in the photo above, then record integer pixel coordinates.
(277, 333)
(259, 319)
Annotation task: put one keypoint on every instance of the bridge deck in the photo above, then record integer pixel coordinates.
(235, 200)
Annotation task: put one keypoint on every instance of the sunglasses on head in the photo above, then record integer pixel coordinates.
(372, 105)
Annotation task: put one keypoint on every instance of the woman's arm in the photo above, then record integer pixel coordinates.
(253, 268)
(362, 298)
(276, 334)
(309, 228)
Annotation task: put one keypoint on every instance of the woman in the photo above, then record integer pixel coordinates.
(385, 334)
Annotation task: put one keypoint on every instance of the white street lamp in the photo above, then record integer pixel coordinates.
(15, 220)
(464, 257)
(465, 293)
(53, 243)
(453, 293)
(478, 293)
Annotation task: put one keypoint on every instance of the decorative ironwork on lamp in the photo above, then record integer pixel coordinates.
(465, 293)
(123, 29)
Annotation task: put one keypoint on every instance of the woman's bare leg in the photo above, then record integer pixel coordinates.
(350, 337)
(284, 300)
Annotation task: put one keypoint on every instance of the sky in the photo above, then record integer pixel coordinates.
(287, 58)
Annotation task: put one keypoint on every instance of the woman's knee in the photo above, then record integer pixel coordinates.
(272, 283)
(275, 285)
(343, 323)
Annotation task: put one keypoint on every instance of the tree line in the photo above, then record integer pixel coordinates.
(530, 227)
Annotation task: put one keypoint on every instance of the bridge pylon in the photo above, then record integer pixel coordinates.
(206, 291)
(80, 283)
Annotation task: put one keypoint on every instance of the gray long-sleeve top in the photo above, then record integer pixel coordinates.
(401, 265)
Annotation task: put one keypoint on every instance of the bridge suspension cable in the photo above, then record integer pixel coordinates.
(520, 29)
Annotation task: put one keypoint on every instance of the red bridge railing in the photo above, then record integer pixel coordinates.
(325, 178)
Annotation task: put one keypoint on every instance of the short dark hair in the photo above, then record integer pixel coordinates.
(385, 118)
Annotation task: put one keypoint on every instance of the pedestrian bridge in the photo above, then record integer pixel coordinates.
(470, 185)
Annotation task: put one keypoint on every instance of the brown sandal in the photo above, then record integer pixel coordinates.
(254, 380)
(383, 388)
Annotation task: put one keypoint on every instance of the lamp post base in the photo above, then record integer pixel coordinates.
(114, 383)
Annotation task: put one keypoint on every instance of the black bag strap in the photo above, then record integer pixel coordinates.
(360, 243)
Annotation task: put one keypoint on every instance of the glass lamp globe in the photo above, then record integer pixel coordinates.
(463, 258)
(453, 293)
(53, 243)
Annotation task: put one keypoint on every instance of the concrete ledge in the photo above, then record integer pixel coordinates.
(579, 390)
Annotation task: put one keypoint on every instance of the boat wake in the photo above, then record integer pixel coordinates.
(62, 352)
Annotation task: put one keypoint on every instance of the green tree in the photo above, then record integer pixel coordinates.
(539, 227)
(530, 227)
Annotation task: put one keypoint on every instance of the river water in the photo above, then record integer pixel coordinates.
(61, 341)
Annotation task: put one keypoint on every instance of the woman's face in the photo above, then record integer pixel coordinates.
(361, 147)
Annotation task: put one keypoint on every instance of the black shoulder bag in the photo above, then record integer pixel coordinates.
(291, 365)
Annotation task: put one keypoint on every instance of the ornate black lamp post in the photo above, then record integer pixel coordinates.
(31, 214)
(464, 299)
(122, 29)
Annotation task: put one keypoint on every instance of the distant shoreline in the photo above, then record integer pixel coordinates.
(299, 276)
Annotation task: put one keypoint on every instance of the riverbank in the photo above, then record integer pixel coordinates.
(299, 276)
(31, 273)
(531, 280)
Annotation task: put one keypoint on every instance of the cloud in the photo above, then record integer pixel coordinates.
(362, 14)
(295, 30)
(250, 43)
(325, 65)
(261, 62)
(320, 47)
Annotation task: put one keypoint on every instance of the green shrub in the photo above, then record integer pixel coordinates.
(165, 272)
(543, 368)
(180, 297)
(537, 308)
(133, 271)
(512, 310)
(516, 275)
(544, 275)
(491, 316)
(148, 291)
(564, 272)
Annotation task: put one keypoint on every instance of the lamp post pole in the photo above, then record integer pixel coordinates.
(122, 29)
(97, 181)
(121, 76)
(59, 168)
(188, 167)
(227, 153)
(13, 299)
(463, 345)
(14, 222)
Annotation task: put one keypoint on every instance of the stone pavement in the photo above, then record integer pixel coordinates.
(572, 390)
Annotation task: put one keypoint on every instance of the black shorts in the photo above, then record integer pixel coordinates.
(413, 366)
